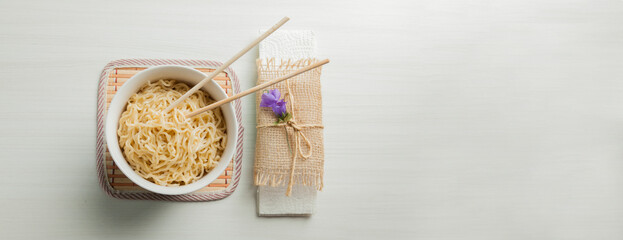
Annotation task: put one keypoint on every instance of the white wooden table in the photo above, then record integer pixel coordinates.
(444, 119)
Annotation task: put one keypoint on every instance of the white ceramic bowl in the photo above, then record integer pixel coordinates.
(191, 77)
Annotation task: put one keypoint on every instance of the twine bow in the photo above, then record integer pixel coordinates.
(298, 134)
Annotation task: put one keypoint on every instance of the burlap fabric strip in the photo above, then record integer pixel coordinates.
(293, 152)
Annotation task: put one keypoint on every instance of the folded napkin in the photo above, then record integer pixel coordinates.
(280, 53)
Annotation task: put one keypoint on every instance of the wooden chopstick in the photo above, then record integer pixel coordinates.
(257, 88)
(226, 64)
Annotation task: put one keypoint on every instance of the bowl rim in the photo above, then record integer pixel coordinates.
(119, 101)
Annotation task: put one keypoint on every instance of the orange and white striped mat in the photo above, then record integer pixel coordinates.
(112, 180)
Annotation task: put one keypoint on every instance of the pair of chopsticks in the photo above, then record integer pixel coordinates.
(257, 88)
(249, 91)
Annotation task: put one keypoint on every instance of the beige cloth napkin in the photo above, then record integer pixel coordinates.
(272, 201)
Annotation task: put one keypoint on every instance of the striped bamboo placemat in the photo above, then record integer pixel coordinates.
(112, 180)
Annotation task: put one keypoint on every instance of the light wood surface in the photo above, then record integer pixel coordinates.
(445, 119)
(228, 63)
(257, 88)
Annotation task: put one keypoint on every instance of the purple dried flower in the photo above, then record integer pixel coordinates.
(271, 99)
(280, 108)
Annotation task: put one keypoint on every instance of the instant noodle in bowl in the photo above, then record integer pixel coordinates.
(169, 149)
(163, 152)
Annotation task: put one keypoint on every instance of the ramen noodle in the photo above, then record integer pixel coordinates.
(167, 148)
